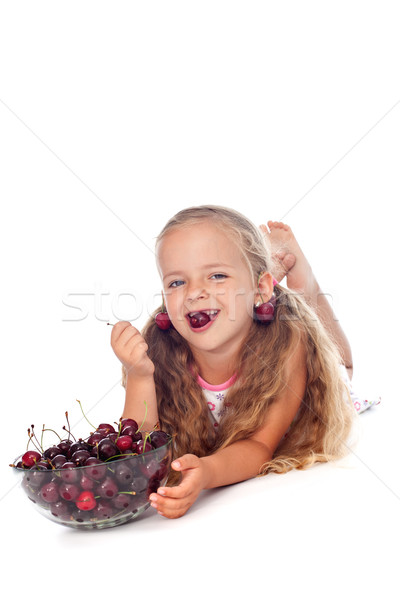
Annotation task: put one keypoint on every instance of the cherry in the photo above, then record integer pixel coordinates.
(139, 484)
(163, 321)
(105, 428)
(126, 421)
(86, 483)
(123, 474)
(199, 319)
(58, 461)
(30, 458)
(107, 449)
(103, 510)
(132, 431)
(80, 457)
(37, 476)
(80, 445)
(96, 437)
(124, 442)
(64, 446)
(265, 312)
(113, 436)
(95, 468)
(142, 447)
(158, 438)
(86, 501)
(69, 472)
(68, 491)
(51, 452)
(122, 501)
(80, 516)
(60, 509)
(49, 492)
(107, 488)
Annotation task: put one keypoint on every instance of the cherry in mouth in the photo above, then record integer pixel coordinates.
(199, 319)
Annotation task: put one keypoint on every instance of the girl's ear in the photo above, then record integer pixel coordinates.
(265, 288)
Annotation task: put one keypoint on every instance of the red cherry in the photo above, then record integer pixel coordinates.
(163, 321)
(265, 312)
(30, 458)
(86, 500)
(124, 442)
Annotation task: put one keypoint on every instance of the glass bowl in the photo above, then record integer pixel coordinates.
(97, 496)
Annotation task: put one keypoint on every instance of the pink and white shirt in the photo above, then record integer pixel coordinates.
(215, 397)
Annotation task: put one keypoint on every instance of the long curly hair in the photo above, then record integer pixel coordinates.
(323, 423)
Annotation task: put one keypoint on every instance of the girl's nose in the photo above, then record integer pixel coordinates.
(196, 293)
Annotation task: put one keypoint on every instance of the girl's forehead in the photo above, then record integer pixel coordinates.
(199, 243)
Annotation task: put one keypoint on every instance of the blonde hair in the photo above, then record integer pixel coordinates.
(323, 423)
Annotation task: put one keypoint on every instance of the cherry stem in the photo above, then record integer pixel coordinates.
(116, 455)
(145, 415)
(36, 440)
(91, 425)
(69, 426)
(258, 286)
(48, 429)
(146, 437)
(112, 324)
(69, 433)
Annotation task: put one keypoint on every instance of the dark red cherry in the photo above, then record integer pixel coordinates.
(86, 483)
(68, 491)
(58, 461)
(123, 474)
(60, 509)
(80, 457)
(106, 428)
(158, 438)
(132, 431)
(69, 472)
(51, 452)
(122, 501)
(103, 510)
(163, 321)
(107, 449)
(141, 447)
(126, 421)
(107, 488)
(64, 446)
(265, 312)
(199, 319)
(96, 437)
(49, 492)
(95, 469)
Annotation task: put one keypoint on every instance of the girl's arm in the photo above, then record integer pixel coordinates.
(241, 460)
(140, 398)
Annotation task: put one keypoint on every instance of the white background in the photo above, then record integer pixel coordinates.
(113, 116)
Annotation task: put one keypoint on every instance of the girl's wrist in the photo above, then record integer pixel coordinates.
(207, 472)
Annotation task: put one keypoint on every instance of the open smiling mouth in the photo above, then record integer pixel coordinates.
(201, 320)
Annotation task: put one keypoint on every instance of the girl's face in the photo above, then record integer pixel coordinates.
(202, 269)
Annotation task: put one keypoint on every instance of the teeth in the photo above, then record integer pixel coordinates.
(207, 312)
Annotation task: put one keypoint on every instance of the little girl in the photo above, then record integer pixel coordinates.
(245, 389)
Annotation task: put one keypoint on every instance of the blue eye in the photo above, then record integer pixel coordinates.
(175, 283)
(219, 276)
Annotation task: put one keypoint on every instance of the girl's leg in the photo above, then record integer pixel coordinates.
(290, 262)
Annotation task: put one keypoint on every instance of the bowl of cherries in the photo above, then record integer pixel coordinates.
(101, 481)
